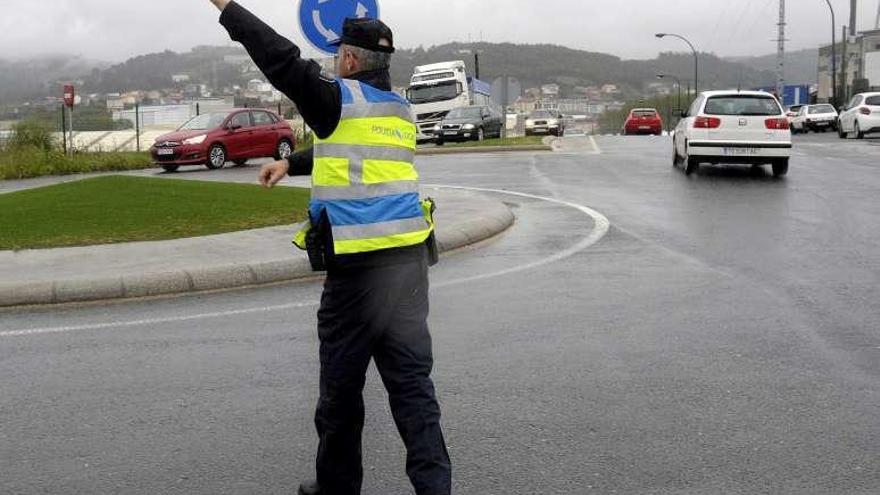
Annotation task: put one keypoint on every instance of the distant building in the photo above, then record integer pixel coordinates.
(180, 78)
(550, 91)
(259, 86)
(862, 62)
(853, 58)
(116, 101)
(526, 104)
(610, 89)
(243, 62)
(574, 106)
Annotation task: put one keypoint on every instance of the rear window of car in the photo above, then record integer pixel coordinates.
(821, 109)
(742, 105)
(874, 101)
(644, 113)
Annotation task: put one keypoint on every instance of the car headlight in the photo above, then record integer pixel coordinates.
(530, 123)
(468, 127)
(437, 128)
(196, 140)
(553, 123)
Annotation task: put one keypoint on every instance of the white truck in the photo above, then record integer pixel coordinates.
(436, 89)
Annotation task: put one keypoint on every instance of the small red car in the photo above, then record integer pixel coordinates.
(643, 121)
(212, 139)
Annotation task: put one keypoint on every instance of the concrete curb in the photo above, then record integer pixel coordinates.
(490, 223)
(482, 149)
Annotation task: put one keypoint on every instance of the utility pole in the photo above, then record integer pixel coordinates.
(843, 75)
(780, 55)
(476, 65)
(877, 19)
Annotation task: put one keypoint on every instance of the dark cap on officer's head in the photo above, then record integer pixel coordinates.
(367, 34)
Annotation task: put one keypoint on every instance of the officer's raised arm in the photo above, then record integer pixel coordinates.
(317, 97)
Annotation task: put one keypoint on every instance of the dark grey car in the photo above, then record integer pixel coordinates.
(468, 124)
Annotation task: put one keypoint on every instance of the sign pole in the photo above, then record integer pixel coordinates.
(64, 128)
(137, 126)
(70, 121)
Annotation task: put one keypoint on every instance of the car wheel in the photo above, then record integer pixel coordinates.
(780, 167)
(858, 131)
(691, 166)
(170, 168)
(439, 142)
(840, 133)
(481, 135)
(676, 158)
(216, 157)
(283, 150)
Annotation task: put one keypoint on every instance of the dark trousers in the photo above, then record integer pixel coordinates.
(379, 313)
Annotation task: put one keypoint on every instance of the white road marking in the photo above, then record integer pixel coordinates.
(153, 321)
(596, 148)
(600, 229)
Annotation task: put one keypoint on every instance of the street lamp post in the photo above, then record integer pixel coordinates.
(696, 57)
(833, 56)
(677, 83)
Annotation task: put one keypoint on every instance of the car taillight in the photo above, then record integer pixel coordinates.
(865, 111)
(776, 124)
(707, 123)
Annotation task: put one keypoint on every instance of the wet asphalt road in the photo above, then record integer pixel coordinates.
(723, 337)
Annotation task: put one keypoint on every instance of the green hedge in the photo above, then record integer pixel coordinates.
(23, 162)
(32, 152)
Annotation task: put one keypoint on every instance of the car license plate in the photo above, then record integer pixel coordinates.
(644, 127)
(450, 133)
(822, 123)
(739, 151)
(165, 151)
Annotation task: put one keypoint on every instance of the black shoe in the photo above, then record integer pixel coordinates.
(310, 488)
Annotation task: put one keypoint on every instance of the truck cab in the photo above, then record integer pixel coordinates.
(436, 89)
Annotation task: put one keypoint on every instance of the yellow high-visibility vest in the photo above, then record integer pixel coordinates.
(364, 178)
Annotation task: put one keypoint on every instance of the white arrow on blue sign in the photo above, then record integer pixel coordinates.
(321, 20)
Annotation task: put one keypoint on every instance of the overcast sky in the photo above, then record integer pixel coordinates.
(115, 30)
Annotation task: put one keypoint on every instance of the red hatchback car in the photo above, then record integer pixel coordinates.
(212, 139)
(643, 121)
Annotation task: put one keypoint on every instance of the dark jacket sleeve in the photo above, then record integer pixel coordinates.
(318, 98)
(301, 162)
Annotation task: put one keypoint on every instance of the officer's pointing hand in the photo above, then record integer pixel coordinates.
(272, 173)
(221, 4)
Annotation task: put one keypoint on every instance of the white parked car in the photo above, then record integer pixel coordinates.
(748, 127)
(821, 117)
(860, 116)
(545, 122)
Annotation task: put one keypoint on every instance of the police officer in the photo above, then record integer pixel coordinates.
(371, 233)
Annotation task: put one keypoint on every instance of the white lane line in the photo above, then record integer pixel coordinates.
(600, 229)
(153, 321)
(596, 148)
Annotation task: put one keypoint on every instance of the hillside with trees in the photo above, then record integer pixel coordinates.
(801, 67)
(533, 65)
(540, 64)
